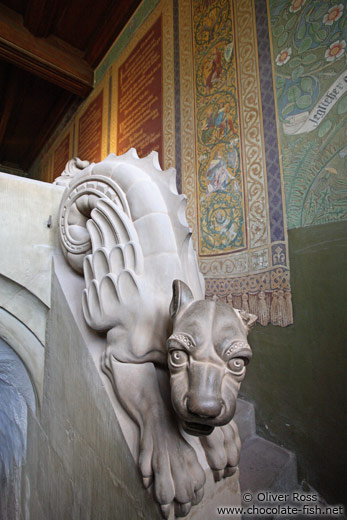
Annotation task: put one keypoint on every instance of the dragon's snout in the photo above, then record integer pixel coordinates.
(202, 409)
(205, 407)
(204, 395)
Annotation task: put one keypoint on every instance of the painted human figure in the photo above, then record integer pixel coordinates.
(215, 70)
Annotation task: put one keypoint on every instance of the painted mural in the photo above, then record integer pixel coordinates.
(310, 63)
(220, 181)
(230, 158)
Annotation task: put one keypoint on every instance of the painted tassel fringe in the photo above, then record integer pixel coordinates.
(273, 307)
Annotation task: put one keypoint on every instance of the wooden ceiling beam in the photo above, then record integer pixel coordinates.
(50, 58)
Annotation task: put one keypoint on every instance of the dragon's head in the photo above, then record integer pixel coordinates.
(207, 357)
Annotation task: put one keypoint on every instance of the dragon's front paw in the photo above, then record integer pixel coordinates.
(168, 461)
(222, 450)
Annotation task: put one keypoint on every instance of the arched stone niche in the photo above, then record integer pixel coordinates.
(16, 396)
(26, 345)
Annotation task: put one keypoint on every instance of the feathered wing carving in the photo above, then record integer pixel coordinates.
(111, 271)
(122, 223)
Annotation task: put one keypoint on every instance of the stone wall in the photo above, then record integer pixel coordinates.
(79, 465)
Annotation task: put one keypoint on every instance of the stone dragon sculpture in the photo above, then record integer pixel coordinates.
(123, 225)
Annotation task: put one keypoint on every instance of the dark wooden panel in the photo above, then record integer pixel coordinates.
(49, 58)
(48, 49)
(61, 106)
(16, 5)
(107, 31)
(87, 25)
(8, 87)
(12, 118)
(37, 108)
(40, 16)
(80, 20)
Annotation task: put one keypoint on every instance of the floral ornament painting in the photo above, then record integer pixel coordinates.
(335, 50)
(309, 49)
(333, 14)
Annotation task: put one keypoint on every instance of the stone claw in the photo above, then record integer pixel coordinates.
(182, 510)
(198, 496)
(165, 510)
(229, 471)
(147, 481)
(218, 474)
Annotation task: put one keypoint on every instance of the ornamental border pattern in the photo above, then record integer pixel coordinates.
(187, 110)
(252, 133)
(256, 279)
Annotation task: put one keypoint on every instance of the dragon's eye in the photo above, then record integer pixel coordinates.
(237, 366)
(178, 358)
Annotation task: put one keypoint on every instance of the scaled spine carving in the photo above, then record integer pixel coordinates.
(122, 224)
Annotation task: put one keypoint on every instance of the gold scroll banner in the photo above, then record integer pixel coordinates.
(223, 160)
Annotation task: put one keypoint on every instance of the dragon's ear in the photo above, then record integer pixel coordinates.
(181, 295)
(247, 318)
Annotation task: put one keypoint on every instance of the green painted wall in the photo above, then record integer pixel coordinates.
(309, 52)
(297, 377)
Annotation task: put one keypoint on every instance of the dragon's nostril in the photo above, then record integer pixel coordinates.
(204, 407)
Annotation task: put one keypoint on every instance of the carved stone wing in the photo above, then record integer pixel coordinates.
(112, 271)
